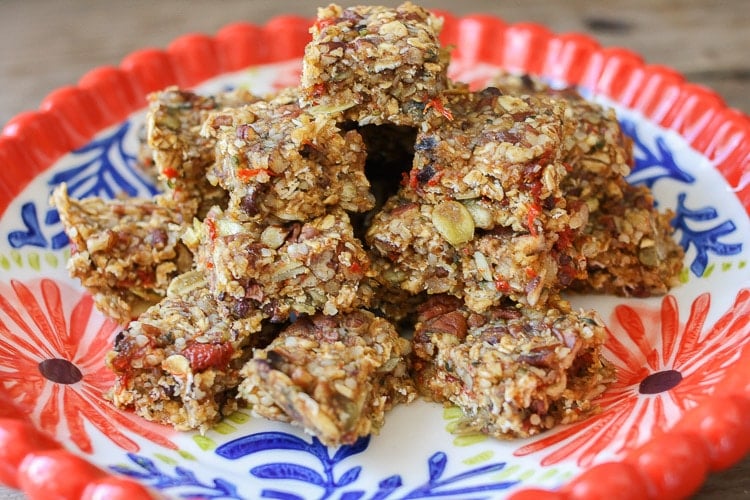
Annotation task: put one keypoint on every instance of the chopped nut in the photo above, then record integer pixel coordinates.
(483, 266)
(647, 253)
(186, 283)
(176, 364)
(273, 236)
(227, 227)
(454, 222)
(481, 215)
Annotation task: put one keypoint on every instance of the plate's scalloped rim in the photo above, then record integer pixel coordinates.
(710, 437)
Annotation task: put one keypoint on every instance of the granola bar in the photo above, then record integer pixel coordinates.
(500, 153)
(333, 376)
(180, 154)
(285, 268)
(409, 252)
(627, 244)
(179, 363)
(419, 247)
(125, 252)
(276, 159)
(632, 249)
(513, 371)
(487, 213)
(375, 64)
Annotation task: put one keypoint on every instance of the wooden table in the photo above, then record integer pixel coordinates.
(46, 44)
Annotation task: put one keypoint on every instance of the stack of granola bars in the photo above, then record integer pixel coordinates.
(379, 232)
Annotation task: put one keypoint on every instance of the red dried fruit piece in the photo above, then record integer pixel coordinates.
(437, 105)
(203, 356)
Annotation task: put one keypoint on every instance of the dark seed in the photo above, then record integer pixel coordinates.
(426, 143)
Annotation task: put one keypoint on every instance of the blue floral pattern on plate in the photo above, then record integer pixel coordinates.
(106, 167)
(182, 481)
(436, 485)
(657, 163)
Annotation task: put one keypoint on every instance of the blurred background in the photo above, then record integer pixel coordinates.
(46, 44)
